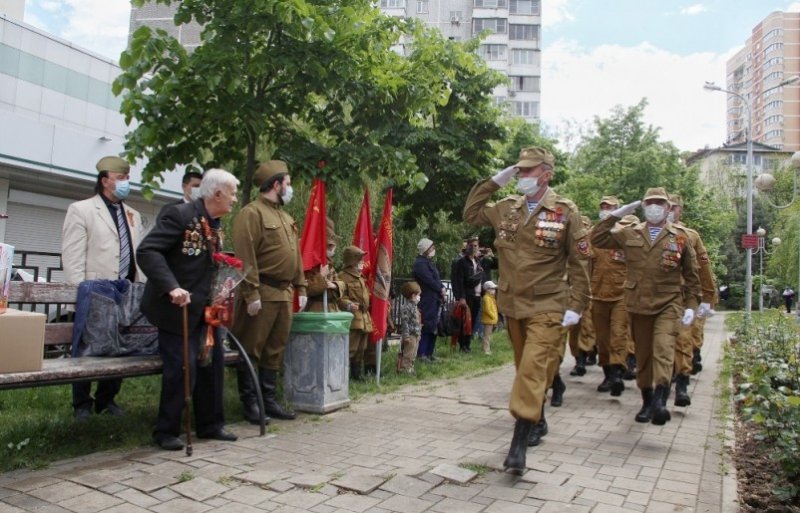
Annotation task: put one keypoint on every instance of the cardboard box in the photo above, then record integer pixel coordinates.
(21, 341)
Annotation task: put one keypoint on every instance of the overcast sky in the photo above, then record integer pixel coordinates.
(595, 54)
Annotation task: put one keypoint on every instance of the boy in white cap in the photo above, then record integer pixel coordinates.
(488, 314)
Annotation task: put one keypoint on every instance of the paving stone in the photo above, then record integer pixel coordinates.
(359, 482)
(31, 483)
(150, 483)
(458, 492)
(507, 507)
(555, 507)
(454, 473)
(352, 502)
(126, 508)
(403, 504)
(280, 486)
(259, 477)
(165, 494)
(199, 489)
(137, 498)
(308, 480)
(449, 505)
(59, 492)
(303, 499)
(504, 493)
(181, 505)
(406, 485)
(90, 502)
(8, 508)
(553, 493)
(552, 478)
(113, 488)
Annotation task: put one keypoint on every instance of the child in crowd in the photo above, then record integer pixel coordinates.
(356, 301)
(488, 314)
(410, 327)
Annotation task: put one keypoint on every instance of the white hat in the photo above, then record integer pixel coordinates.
(489, 285)
(424, 245)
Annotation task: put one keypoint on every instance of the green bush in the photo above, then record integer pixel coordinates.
(766, 356)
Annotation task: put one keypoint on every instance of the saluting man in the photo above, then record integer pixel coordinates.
(539, 240)
(662, 291)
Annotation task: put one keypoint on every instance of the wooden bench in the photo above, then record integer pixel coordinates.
(62, 369)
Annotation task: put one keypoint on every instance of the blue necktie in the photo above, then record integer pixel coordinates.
(124, 243)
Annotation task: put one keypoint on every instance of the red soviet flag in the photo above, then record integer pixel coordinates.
(364, 237)
(382, 275)
(313, 240)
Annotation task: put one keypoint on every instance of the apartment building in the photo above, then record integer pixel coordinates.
(513, 46)
(770, 56)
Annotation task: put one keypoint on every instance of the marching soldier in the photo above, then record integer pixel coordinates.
(539, 241)
(662, 291)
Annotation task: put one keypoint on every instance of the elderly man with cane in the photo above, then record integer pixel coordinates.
(177, 256)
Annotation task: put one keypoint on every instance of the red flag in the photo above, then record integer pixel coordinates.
(314, 239)
(364, 238)
(382, 276)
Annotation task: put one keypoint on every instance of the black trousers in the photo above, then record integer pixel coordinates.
(205, 385)
(107, 390)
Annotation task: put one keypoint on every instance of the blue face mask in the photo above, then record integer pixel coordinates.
(122, 188)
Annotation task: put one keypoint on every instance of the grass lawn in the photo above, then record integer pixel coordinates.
(37, 428)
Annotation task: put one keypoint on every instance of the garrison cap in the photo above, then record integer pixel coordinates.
(267, 170)
(352, 255)
(532, 157)
(113, 164)
(676, 199)
(656, 193)
(609, 200)
(331, 230)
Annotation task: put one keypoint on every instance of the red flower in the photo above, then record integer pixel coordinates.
(231, 261)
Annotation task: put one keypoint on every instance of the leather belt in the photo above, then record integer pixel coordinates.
(272, 282)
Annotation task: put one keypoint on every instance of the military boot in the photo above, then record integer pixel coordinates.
(580, 365)
(615, 380)
(356, 373)
(515, 461)
(538, 430)
(248, 395)
(646, 413)
(370, 370)
(660, 413)
(559, 387)
(697, 366)
(269, 384)
(681, 390)
(630, 371)
(605, 386)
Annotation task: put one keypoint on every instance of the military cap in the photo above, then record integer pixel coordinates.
(609, 200)
(656, 193)
(267, 170)
(676, 199)
(352, 255)
(532, 157)
(331, 231)
(410, 288)
(113, 164)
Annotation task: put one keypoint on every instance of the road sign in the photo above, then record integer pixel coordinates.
(749, 241)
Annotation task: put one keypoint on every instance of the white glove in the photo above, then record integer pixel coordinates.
(253, 308)
(704, 310)
(571, 318)
(624, 210)
(503, 177)
(302, 301)
(688, 317)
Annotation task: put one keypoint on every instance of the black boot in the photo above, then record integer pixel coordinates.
(248, 395)
(515, 461)
(370, 370)
(591, 357)
(269, 382)
(355, 372)
(605, 386)
(660, 413)
(615, 380)
(681, 393)
(646, 413)
(559, 387)
(630, 372)
(696, 359)
(538, 430)
(580, 365)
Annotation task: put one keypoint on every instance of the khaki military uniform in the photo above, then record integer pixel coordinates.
(661, 281)
(609, 312)
(691, 337)
(356, 293)
(317, 286)
(265, 238)
(542, 273)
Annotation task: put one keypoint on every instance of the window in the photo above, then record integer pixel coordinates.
(491, 4)
(772, 34)
(524, 83)
(774, 47)
(496, 25)
(500, 100)
(492, 52)
(393, 4)
(523, 32)
(525, 109)
(773, 62)
(523, 57)
(422, 6)
(775, 104)
(773, 134)
(775, 75)
(524, 7)
(771, 120)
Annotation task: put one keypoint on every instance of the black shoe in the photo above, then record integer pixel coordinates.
(537, 431)
(515, 461)
(370, 370)
(660, 413)
(168, 442)
(630, 371)
(681, 393)
(252, 415)
(591, 358)
(605, 386)
(559, 387)
(646, 413)
(580, 365)
(615, 380)
(276, 411)
(111, 408)
(221, 434)
(82, 414)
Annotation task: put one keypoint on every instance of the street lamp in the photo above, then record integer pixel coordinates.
(776, 241)
(748, 277)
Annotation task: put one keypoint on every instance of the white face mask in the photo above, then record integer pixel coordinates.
(360, 266)
(331, 252)
(603, 214)
(288, 192)
(194, 193)
(432, 253)
(528, 186)
(654, 213)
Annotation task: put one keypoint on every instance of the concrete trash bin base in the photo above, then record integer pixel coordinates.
(316, 362)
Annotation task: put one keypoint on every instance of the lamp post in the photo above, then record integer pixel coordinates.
(748, 277)
(762, 248)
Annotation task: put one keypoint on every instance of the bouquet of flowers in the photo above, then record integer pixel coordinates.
(230, 272)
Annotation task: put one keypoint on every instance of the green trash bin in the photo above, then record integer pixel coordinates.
(316, 362)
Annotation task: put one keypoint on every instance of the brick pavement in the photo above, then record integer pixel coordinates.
(418, 450)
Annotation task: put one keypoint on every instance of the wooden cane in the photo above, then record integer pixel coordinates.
(186, 381)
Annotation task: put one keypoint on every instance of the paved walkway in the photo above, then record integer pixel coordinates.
(412, 451)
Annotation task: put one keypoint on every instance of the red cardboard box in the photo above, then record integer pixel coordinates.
(21, 341)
